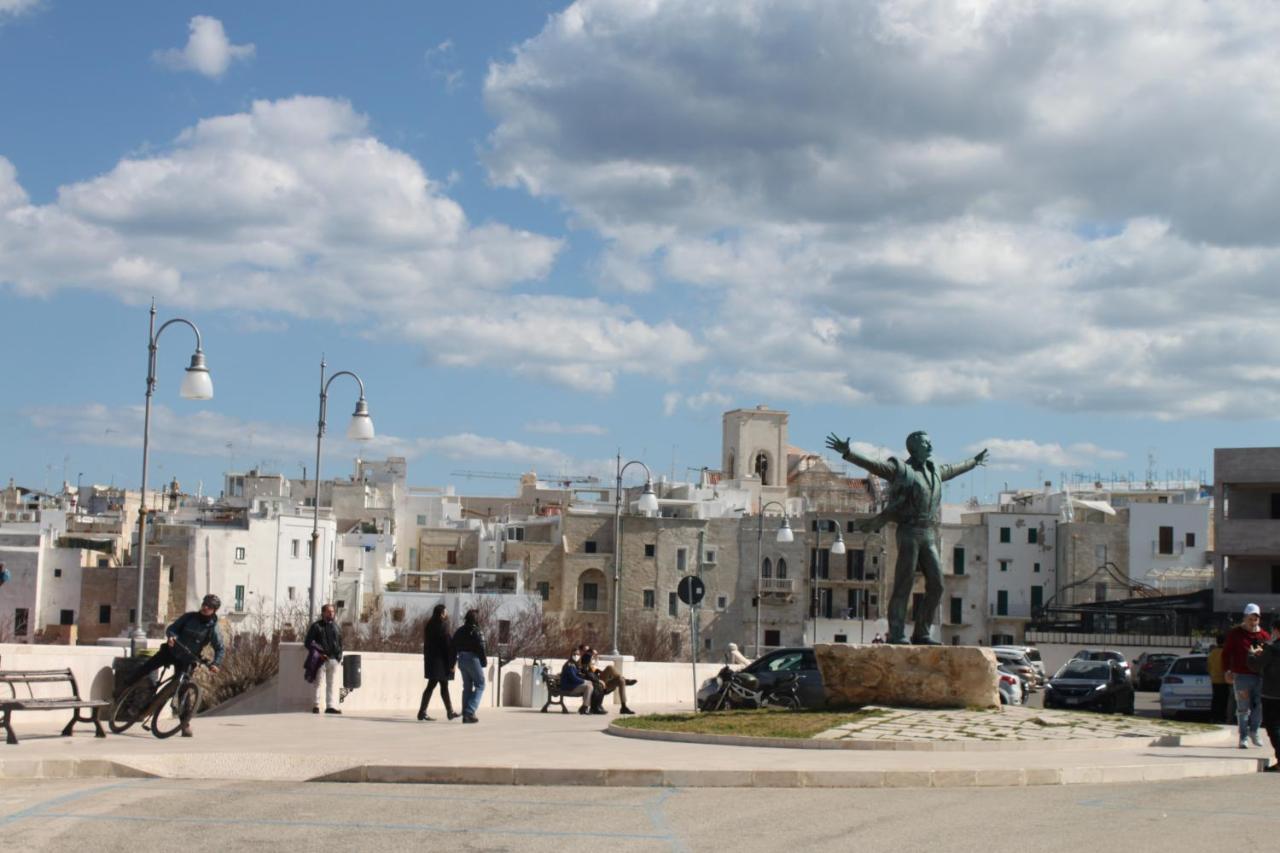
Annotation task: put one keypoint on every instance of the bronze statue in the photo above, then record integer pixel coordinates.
(915, 495)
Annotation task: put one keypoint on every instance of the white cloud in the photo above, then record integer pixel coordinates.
(1023, 451)
(927, 202)
(442, 63)
(14, 8)
(557, 428)
(293, 210)
(208, 50)
(673, 400)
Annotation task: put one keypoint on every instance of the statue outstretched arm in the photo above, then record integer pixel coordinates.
(955, 470)
(875, 466)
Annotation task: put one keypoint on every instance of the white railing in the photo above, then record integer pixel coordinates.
(786, 585)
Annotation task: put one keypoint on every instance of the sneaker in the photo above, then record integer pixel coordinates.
(625, 710)
(467, 718)
(426, 718)
(599, 711)
(584, 710)
(315, 709)
(186, 731)
(332, 711)
(1255, 740)
(630, 682)
(452, 715)
(1244, 743)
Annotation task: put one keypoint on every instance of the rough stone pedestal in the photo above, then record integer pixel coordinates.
(915, 676)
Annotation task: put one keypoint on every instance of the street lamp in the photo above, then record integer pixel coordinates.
(648, 503)
(196, 385)
(837, 548)
(784, 535)
(359, 429)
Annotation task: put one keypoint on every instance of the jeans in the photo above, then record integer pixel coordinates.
(472, 682)
(1248, 690)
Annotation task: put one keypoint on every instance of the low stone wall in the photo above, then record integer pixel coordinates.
(91, 666)
(913, 676)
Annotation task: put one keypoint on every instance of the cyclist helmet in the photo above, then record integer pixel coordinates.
(211, 601)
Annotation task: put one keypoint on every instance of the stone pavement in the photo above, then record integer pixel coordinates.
(521, 746)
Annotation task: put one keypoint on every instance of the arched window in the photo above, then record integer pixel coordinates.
(766, 568)
(762, 468)
(591, 591)
(732, 472)
(782, 569)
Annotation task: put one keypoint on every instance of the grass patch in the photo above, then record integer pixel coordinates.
(768, 722)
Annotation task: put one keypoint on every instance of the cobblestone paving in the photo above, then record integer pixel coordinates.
(1009, 724)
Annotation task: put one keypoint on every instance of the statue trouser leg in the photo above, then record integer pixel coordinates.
(929, 565)
(904, 577)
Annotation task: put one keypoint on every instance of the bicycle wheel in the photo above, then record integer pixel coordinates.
(171, 714)
(131, 707)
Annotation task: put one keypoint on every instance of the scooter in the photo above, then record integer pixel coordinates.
(743, 690)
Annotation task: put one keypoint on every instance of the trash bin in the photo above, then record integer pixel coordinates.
(537, 686)
(351, 671)
(122, 669)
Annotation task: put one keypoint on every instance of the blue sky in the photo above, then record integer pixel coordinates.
(542, 232)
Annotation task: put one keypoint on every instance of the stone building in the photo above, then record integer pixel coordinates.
(1246, 490)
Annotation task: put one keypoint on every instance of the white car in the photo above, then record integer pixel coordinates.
(1010, 688)
(1032, 654)
(1186, 687)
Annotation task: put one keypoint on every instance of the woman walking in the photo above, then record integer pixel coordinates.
(468, 644)
(438, 660)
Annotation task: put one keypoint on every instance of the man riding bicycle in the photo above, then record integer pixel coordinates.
(187, 636)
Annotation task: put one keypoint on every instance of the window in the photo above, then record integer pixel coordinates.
(1037, 598)
(170, 574)
(544, 590)
(957, 610)
(722, 602)
(957, 560)
(841, 638)
(240, 554)
(1035, 567)
(782, 569)
(342, 565)
(710, 556)
(673, 604)
(1166, 540)
(589, 547)
(706, 644)
(590, 596)
(1004, 565)
(504, 630)
(104, 614)
(1100, 591)
(1275, 505)
(1005, 534)
(819, 563)
(133, 615)
(1002, 602)
(239, 606)
(515, 534)
(311, 547)
(57, 573)
(682, 560)
(293, 591)
(1033, 535)
(650, 599)
(773, 637)
(855, 560)
(677, 643)
(1191, 540)
(766, 568)
(66, 617)
(103, 563)
(20, 619)
(295, 547)
(1275, 580)
(340, 604)
(650, 549)
(422, 521)
(451, 557)
(1100, 554)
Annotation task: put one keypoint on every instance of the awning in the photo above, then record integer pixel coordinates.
(106, 546)
(1100, 506)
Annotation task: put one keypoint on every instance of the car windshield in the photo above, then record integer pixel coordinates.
(782, 662)
(1094, 670)
(1190, 666)
(1033, 655)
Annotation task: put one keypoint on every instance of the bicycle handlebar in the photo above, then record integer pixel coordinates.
(195, 657)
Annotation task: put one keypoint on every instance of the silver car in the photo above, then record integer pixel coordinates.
(1186, 687)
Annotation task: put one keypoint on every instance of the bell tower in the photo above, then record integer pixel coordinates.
(754, 452)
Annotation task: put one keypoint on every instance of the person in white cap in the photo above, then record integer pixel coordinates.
(733, 657)
(1241, 641)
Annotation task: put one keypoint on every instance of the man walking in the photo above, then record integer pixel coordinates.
(324, 657)
(1242, 640)
(1266, 661)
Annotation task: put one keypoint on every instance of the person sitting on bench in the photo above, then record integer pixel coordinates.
(573, 684)
(607, 681)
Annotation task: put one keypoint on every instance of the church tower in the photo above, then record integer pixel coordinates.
(755, 453)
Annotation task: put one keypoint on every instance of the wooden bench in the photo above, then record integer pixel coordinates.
(51, 703)
(553, 690)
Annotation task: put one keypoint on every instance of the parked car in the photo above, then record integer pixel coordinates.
(1010, 687)
(1105, 654)
(1149, 668)
(1032, 654)
(1019, 665)
(1096, 685)
(769, 668)
(1186, 687)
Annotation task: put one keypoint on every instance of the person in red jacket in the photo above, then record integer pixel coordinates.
(1241, 640)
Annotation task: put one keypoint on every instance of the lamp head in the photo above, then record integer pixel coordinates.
(837, 547)
(197, 384)
(784, 532)
(361, 426)
(648, 502)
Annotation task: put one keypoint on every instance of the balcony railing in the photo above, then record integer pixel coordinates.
(783, 585)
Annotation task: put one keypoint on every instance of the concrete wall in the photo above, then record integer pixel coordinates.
(91, 666)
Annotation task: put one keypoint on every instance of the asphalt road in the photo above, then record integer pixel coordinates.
(132, 815)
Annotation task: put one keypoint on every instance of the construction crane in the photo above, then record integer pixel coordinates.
(565, 480)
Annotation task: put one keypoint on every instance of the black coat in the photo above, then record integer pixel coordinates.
(469, 639)
(438, 657)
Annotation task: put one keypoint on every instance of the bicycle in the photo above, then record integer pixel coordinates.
(143, 700)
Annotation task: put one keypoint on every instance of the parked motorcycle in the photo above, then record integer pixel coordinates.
(743, 690)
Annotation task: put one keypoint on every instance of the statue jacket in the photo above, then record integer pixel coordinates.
(915, 490)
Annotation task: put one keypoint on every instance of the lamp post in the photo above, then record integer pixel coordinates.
(837, 548)
(360, 429)
(648, 503)
(196, 385)
(784, 535)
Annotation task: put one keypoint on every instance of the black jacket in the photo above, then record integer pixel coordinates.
(194, 633)
(438, 657)
(326, 635)
(469, 639)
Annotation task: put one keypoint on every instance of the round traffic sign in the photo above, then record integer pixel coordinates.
(691, 589)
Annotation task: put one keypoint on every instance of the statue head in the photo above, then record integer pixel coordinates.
(919, 445)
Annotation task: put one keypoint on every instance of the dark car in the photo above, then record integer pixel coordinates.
(1095, 685)
(1150, 667)
(772, 666)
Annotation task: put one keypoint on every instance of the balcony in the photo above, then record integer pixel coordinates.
(1248, 537)
(780, 586)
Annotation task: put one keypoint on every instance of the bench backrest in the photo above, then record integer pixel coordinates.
(12, 678)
